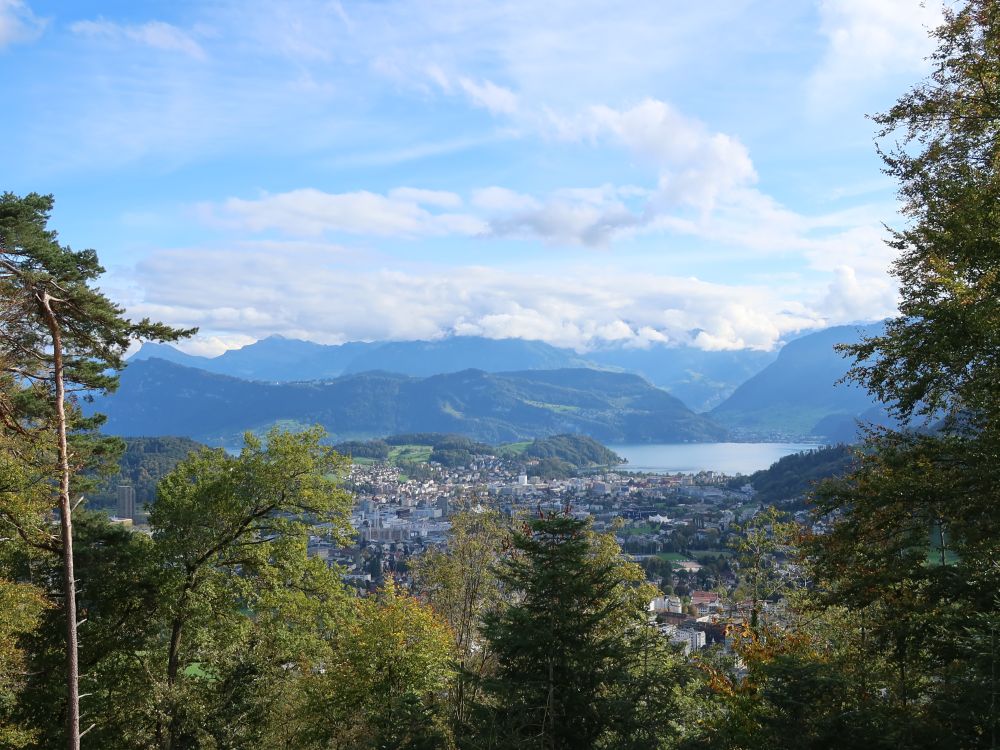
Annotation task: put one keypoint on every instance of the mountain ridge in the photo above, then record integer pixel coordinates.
(701, 379)
(800, 394)
(157, 397)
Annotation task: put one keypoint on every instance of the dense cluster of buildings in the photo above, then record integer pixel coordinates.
(662, 521)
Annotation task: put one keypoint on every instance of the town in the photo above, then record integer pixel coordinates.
(679, 527)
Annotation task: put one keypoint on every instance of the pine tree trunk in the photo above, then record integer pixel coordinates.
(66, 521)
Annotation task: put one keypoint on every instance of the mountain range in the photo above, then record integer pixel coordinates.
(157, 397)
(701, 379)
(499, 390)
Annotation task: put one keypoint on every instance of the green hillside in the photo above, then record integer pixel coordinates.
(161, 398)
(145, 461)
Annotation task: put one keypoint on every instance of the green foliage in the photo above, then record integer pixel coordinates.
(916, 528)
(454, 451)
(118, 601)
(579, 451)
(218, 631)
(59, 334)
(577, 664)
(552, 457)
(461, 585)
(940, 353)
(804, 689)
(21, 606)
(789, 480)
(143, 463)
(377, 449)
(33, 263)
(391, 660)
(231, 532)
(761, 546)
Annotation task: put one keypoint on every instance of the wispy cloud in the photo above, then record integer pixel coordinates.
(496, 99)
(153, 34)
(404, 212)
(18, 23)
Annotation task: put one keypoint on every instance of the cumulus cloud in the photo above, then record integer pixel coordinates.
(252, 293)
(695, 169)
(852, 295)
(154, 34)
(18, 23)
(213, 346)
(869, 39)
(404, 212)
(576, 216)
(695, 165)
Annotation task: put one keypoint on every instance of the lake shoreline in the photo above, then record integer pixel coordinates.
(691, 458)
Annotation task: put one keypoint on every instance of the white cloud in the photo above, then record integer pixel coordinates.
(309, 212)
(497, 99)
(154, 34)
(497, 198)
(696, 166)
(591, 217)
(868, 40)
(18, 23)
(254, 293)
(213, 346)
(852, 296)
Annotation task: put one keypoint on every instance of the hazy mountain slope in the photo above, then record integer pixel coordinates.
(278, 359)
(274, 359)
(456, 353)
(159, 398)
(152, 350)
(797, 394)
(701, 379)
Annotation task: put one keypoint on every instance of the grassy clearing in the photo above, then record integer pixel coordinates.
(642, 528)
(410, 454)
(515, 449)
(672, 556)
(695, 553)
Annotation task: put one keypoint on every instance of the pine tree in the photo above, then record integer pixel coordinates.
(58, 334)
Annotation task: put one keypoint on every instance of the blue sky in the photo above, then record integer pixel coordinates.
(585, 173)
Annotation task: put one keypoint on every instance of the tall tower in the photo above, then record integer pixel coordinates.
(126, 501)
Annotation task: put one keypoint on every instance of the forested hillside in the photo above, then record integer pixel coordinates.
(160, 398)
(559, 455)
(142, 465)
(791, 478)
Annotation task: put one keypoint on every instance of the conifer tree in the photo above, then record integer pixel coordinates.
(58, 334)
(577, 665)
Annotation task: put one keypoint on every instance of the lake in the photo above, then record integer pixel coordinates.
(690, 458)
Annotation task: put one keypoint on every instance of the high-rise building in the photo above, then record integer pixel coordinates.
(126, 501)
